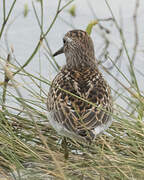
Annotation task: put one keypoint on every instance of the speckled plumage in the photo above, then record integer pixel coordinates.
(79, 100)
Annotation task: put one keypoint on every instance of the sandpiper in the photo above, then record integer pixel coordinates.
(79, 99)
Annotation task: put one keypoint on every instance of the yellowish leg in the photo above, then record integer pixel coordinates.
(64, 146)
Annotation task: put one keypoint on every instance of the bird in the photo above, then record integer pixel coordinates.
(79, 101)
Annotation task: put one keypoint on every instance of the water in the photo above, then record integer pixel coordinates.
(23, 34)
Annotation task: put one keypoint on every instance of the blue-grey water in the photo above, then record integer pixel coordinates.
(23, 34)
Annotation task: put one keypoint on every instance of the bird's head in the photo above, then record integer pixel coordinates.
(77, 47)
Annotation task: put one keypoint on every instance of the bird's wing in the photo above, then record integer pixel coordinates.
(80, 106)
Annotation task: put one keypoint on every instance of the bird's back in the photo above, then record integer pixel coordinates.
(80, 103)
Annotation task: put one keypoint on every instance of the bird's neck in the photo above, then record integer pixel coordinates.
(80, 62)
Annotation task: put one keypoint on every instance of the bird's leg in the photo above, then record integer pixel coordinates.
(64, 146)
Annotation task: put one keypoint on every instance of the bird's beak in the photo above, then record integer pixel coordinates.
(60, 51)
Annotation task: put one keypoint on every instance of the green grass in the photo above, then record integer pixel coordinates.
(31, 149)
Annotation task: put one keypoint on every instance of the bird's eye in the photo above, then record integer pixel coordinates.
(64, 41)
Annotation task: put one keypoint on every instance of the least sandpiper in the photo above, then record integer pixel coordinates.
(79, 99)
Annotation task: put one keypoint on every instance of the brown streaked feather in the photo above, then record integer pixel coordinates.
(72, 116)
(76, 115)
